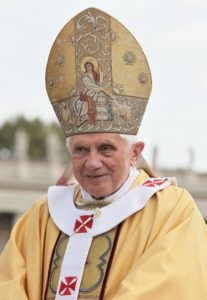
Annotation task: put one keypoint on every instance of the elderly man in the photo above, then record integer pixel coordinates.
(116, 234)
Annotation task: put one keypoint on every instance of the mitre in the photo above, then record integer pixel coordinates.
(97, 76)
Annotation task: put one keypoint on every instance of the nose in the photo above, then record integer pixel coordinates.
(93, 161)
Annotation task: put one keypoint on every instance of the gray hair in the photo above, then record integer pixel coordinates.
(130, 139)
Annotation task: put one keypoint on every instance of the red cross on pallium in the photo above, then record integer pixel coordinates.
(67, 287)
(154, 182)
(84, 223)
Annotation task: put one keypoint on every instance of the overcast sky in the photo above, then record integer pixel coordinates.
(172, 34)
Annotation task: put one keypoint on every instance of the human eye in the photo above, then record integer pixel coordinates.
(107, 149)
(79, 150)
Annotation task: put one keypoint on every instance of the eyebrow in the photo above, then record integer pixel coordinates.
(86, 146)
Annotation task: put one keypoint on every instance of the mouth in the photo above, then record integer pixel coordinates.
(95, 176)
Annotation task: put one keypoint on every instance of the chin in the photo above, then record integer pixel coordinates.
(98, 194)
(97, 190)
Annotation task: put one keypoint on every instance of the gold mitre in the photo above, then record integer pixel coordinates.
(97, 77)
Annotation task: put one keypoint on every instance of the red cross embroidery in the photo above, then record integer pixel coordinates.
(154, 182)
(67, 287)
(84, 223)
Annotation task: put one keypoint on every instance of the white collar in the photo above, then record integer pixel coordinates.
(64, 212)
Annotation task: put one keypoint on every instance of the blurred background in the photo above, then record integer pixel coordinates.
(32, 147)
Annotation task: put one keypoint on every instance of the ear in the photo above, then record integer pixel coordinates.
(136, 152)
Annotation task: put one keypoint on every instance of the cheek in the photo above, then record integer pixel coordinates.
(121, 168)
(128, 160)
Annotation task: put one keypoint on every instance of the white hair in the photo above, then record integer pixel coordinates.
(130, 139)
(67, 142)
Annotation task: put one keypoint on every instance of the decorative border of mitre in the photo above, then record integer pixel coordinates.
(97, 76)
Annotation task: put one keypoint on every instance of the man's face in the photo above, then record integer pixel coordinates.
(101, 161)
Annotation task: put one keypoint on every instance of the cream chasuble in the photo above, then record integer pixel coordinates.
(82, 228)
(161, 252)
